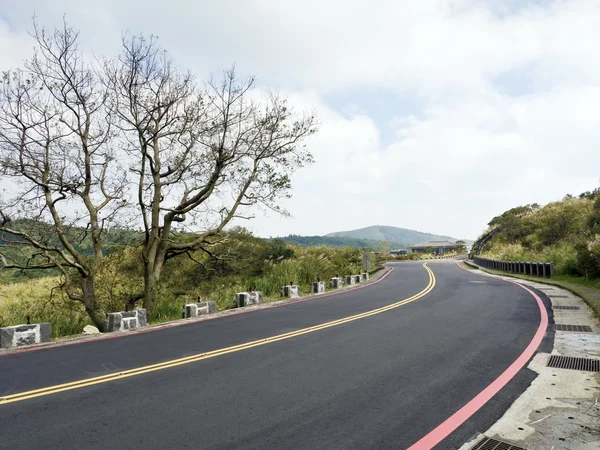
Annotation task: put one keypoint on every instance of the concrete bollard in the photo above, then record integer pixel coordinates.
(336, 283)
(364, 276)
(534, 269)
(317, 287)
(290, 291)
(356, 278)
(527, 268)
(248, 298)
(27, 334)
(126, 320)
(199, 309)
(350, 279)
(548, 270)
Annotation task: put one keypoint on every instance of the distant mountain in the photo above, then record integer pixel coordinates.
(391, 234)
(313, 241)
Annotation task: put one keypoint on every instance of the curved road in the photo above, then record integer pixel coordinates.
(383, 380)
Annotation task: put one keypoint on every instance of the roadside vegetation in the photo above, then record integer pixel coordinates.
(240, 262)
(565, 233)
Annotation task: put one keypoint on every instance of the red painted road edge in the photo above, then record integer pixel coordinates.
(231, 312)
(459, 417)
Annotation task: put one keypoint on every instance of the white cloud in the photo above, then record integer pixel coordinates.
(468, 152)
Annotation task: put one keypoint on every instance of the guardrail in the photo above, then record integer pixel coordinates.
(536, 269)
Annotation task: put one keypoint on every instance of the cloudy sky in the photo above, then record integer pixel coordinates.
(435, 115)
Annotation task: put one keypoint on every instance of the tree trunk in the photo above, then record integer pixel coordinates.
(151, 277)
(89, 300)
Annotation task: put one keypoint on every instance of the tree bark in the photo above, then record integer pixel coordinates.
(89, 300)
(151, 280)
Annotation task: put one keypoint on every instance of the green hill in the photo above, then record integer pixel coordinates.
(566, 233)
(390, 234)
(313, 241)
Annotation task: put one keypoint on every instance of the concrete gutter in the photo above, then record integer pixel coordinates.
(561, 408)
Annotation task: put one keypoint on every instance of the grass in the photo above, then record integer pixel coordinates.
(588, 290)
(182, 284)
(37, 299)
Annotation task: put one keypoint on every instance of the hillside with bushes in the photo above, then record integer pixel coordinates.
(239, 262)
(566, 233)
(340, 241)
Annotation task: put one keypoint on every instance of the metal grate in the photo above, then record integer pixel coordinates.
(546, 288)
(558, 296)
(576, 328)
(573, 363)
(570, 308)
(493, 444)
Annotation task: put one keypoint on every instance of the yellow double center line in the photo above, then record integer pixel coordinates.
(201, 356)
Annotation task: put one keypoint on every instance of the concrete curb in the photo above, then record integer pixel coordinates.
(559, 409)
(549, 282)
(378, 274)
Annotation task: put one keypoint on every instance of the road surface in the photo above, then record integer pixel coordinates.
(381, 380)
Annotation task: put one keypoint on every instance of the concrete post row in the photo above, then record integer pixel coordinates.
(290, 291)
(352, 279)
(317, 287)
(364, 276)
(248, 298)
(336, 283)
(126, 320)
(199, 309)
(26, 334)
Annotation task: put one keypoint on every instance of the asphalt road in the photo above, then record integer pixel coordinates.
(383, 381)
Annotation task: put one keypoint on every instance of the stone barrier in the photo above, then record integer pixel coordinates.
(364, 276)
(317, 287)
(248, 298)
(199, 309)
(126, 320)
(548, 270)
(539, 269)
(350, 279)
(27, 334)
(336, 283)
(290, 291)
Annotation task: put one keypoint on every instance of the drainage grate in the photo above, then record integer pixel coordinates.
(570, 308)
(546, 289)
(573, 363)
(558, 296)
(576, 328)
(493, 444)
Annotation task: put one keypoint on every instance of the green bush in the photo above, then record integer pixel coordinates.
(239, 263)
(564, 233)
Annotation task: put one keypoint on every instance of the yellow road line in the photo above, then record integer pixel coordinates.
(211, 354)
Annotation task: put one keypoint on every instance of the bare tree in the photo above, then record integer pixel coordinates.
(61, 175)
(201, 156)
